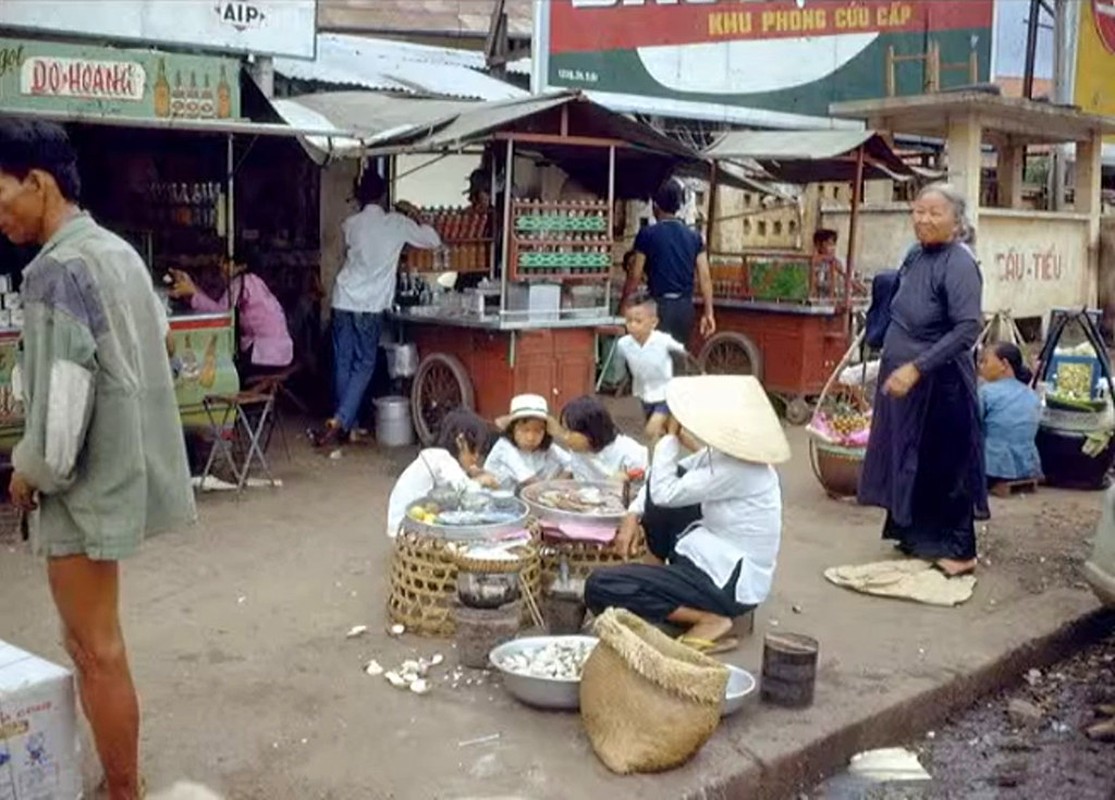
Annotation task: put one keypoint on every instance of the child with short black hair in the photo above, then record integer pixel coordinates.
(463, 442)
(598, 451)
(649, 354)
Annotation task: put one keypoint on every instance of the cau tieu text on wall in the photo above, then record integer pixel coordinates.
(771, 55)
(1032, 265)
(50, 76)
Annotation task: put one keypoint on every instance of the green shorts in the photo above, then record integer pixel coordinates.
(58, 533)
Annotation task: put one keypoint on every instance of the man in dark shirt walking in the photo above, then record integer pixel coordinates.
(673, 258)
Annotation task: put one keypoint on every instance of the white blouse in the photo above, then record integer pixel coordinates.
(741, 514)
(434, 466)
(622, 455)
(513, 467)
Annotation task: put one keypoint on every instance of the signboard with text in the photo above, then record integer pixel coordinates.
(51, 76)
(267, 27)
(774, 55)
(1094, 89)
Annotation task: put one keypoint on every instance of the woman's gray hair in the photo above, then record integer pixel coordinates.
(966, 232)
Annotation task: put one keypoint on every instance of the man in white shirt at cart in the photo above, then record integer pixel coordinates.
(364, 291)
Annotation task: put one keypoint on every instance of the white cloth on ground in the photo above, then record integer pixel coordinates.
(904, 579)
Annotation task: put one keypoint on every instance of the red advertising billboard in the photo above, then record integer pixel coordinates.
(791, 57)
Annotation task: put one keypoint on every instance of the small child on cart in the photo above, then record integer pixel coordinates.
(463, 442)
(649, 354)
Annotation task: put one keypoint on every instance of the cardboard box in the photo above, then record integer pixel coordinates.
(39, 755)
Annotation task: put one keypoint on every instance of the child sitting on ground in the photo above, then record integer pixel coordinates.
(648, 354)
(526, 452)
(463, 441)
(598, 451)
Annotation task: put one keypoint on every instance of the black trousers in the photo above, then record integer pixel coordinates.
(676, 316)
(654, 593)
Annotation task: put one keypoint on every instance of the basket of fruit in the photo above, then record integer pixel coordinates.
(839, 431)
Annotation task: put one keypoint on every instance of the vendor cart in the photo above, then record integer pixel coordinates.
(531, 325)
(781, 316)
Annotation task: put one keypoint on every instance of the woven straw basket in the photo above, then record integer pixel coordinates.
(648, 703)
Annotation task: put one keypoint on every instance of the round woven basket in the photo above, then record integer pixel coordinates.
(424, 583)
(837, 468)
(583, 558)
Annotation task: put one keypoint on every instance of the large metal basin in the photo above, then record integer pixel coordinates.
(556, 517)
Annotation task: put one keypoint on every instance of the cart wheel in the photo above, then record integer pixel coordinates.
(440, 385)
(731, 353)
(799, 410)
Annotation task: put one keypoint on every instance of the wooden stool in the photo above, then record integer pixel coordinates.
(1007, 488)
(424, 583)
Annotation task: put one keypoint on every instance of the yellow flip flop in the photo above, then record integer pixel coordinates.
(709, 647)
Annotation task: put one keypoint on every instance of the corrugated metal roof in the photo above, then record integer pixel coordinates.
(389, 125)
(433, 17)
(811, 156)
(390, 66)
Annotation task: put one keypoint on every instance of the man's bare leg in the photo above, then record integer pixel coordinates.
(86, 593)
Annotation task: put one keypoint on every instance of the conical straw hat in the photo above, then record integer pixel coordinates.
(729, 413)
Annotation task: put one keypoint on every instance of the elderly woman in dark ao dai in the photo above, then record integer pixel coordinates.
(924, 462)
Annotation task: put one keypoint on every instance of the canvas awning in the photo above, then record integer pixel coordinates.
(801, 157)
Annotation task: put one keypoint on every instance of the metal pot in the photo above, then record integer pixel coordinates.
(487, 589)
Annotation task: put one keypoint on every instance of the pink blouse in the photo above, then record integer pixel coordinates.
(263, 327)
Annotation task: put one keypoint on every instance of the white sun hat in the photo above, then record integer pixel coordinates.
(729, 413)
(526, 406)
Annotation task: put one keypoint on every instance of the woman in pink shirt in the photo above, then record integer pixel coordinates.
(265, 343)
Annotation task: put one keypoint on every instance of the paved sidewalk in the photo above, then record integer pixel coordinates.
(237, 634)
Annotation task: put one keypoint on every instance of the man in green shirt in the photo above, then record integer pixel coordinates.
(102, 462)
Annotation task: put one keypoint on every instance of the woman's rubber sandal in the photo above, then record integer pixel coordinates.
(710, 647)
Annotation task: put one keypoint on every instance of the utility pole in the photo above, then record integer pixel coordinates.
(1062, 95)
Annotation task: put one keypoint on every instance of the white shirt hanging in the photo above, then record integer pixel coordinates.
(375, 240)
(622, 455)
(651, 364)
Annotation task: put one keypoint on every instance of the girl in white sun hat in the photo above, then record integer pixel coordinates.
(721, 565)
(526, 452)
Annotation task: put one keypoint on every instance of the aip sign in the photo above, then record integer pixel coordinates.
(240, 15)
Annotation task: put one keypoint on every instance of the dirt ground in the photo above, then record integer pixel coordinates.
(1028, 743)
(236, 630)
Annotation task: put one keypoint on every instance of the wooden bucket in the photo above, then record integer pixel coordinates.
(789, 669)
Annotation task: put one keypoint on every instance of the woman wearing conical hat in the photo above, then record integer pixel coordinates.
(719, 564)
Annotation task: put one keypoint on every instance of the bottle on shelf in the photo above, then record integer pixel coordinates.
(161, 91)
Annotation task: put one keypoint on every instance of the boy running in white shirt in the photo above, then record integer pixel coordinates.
(649, 356)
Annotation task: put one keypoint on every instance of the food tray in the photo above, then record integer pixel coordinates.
(465, 533)
(555, 517)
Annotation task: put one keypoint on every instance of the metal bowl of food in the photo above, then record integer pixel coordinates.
(544, 671)
(741, 690)
(466, 517)
(576, 502)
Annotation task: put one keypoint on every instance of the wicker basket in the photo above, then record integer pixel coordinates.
(424, 583)
(837, 468)
(583, 558)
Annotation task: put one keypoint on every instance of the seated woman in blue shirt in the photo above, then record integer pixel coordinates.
(1010, 411)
